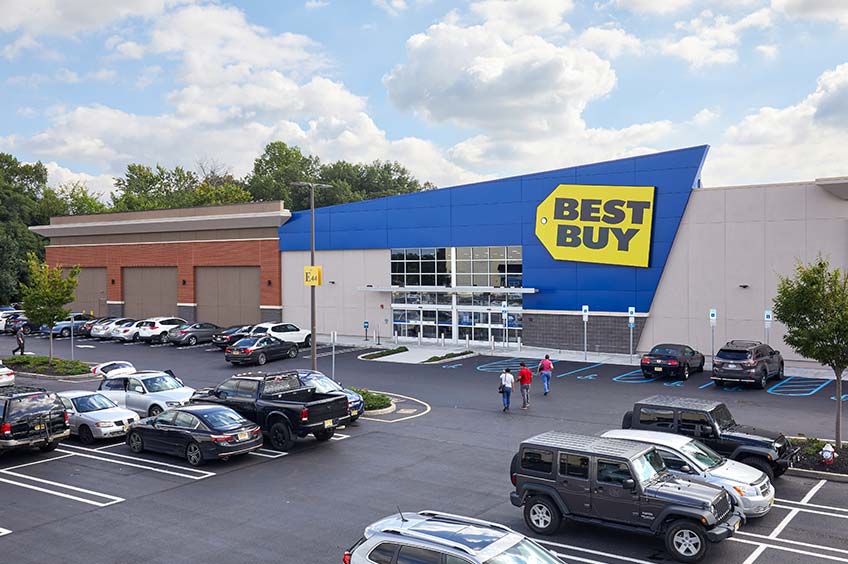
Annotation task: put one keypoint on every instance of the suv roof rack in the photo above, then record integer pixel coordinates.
(461, 519)
(429, 538)
(744, 343)
(681, 403)
(589, 444)
(15, 390)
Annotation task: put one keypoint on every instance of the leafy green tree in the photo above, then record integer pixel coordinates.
(213, 195)
(79, 200)
(47, 292)
(276, 169)
(143, 188)
(813, 305)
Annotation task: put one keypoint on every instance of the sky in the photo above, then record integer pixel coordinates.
(455, 91)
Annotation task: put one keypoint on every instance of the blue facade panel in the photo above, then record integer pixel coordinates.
(502, 212)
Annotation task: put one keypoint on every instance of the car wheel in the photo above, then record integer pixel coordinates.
(135, 338)
(86, 437)
(307, 341)
(154, 410)
(27, 330)
(261, 359)
(701, 366)
(541, 515)
(51, 446)
(192, 340)
(163, 337)
(324, 435)
(763, 381)
(685, 374)
(194, 455)
(686, 541)
(293, 351)
(135, 442)
(759, 464)
(281, 437)
(65, 333)
(781, 373)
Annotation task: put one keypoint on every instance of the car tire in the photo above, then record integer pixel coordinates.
(281, 437)
(135, 442)
(627, 420)
(49, 447)
(86, 437)
(261, 359)
(293, 351)
(27, 330)
(163, 337)
(685, 374)
(307, 341)
(154, 410)
(194, 455)
(192, 340)
(65, 333)
(763, 381)
(135, 338)
(781, 373)
(686, 541)
(541, 515)
(759, 464)
(701, 366)
(324, 434)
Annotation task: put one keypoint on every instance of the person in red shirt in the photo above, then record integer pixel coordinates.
(525, 378)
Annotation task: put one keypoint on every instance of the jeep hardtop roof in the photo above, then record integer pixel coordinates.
(15, 391)
(696, 404)
(589, 445)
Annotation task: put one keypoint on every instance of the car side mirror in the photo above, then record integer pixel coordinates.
(138, 389)
(629, 484)
(686, 469)
(704, 431)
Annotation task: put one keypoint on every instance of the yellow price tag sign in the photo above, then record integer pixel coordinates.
(312, 275)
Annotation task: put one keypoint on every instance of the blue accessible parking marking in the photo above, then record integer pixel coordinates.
(451, 365)
(844, 397)
(511, 363)
(583, 377)
(634, 377)
(795, 386)
(723, 388)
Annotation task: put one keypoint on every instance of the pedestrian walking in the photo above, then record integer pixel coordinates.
(525, 378)
(20, 338)
(507, 382)
(544, 370)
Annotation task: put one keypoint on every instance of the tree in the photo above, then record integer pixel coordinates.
(813, 305)
(79, 200)
(276, 169)
(143, 188)
(47, 292)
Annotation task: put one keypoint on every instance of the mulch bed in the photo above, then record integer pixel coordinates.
(809, 459)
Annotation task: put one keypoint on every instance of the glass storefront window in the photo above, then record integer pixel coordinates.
(464, 299)
(463, 280)
(463, 253)
(400, 316)
(413, 254)
(514, 254)
(428, 316)
(398, 298)
(465, 318)
(413, 316)
(428, 298)
(443, 280)
(480, 299)
(443, 298)
(481, 280)
(444, 318)
(398, 254)
(478, 253)
(397, 267)
(413, 279)
(428, 279)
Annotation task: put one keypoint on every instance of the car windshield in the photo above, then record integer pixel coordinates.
(648, 466)
(161, 384)
(703, 455)
(185, 326)
(728, 354)
(31, 404)
(525, 552)
(223, 419)
(322, 384)
(94, 402)
(723, 417)
(231, 330)
(246, 342)
(665, 351)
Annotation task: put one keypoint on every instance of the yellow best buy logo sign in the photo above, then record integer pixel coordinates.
(602, 224)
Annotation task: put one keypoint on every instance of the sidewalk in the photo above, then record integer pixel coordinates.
(419, 353)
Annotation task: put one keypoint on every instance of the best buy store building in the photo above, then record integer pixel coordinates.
(631, 233)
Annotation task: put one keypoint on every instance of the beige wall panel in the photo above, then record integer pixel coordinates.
(227, 295)
(90, 292)
(744, 204)
(150, 291)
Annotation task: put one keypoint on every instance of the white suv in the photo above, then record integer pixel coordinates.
(290, 333)
(156, 328)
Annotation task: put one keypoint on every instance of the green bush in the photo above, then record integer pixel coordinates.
(380, 354)
(811, 447)
(373, 400)
(42, 365)
(446, 356)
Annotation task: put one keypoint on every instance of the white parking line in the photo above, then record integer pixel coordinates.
(200, 473)
(594, 552)
(132, 344)
(267, 453)
(798, 543)
(572, 558)
(789, 549)
(4, 532)
(113, 501)
(42, 461)
(794, 511)
(817, 506)
(339, 437)
(756, 554)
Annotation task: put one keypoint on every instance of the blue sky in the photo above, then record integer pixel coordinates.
(456, 91)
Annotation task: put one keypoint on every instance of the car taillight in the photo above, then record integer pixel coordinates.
(645, 360)
(248, 351)
(514, 480)
(94, 370)
(673, 362)
(67, 419)
(257, 431)
(154, 327)
(748, 363)
(125, 331)
(229, 350)
(304, 415)
(183, 332)
(6, 429)
(221, 438)
(346, 557)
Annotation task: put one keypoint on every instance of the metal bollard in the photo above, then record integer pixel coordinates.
(519, 344)
(419, 339)
(468, 342)
(396, 337)
(492, 343)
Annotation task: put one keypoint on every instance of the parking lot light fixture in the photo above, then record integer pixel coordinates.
(312, 186)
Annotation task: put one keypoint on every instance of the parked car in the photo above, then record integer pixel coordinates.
(747, 361)
(259, 350)
(326, 385)
(31, 418)
(192, 333)
(290, 333)
(282, 404)
(431, 537)
(12, 325)
(128, 332)
(6, 315)
(86, 328)
(620, 484)
(230, 335)
(198, 433)
(113, 368)
(687, 458)
(147, 392)
(103, 329)
(93, 416)
(673, 360)
(7, 375)
(711, 423)
(64, 328)
(156, 328)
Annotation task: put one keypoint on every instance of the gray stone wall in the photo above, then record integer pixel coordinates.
(189, 313)
(606, 334)
(115, 310)
(271, 315)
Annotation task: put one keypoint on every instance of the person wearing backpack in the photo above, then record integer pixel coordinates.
(544, 370)
(507, 382)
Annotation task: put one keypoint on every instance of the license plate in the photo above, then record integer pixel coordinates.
(39, 426)
(771, 502)
(242, 436)
(657, 368)
(731, 366)
(236, 352)
(354, 412)
(328, 423)
(126, 428)
(736, 526)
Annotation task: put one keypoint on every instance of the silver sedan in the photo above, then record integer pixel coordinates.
(93, 416)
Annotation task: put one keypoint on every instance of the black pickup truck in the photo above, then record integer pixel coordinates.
(281, 404)
(31, 417)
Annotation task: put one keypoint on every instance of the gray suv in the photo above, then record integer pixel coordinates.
(747, 361)
(620, 484)
(431, 537)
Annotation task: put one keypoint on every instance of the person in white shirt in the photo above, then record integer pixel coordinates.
(507, 382)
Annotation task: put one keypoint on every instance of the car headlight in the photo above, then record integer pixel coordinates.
(102, 424)
(745, 490)
(173, 403)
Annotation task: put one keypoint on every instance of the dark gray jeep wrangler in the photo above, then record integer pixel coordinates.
(618, 484)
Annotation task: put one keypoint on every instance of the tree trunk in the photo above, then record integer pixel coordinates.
(838, 407)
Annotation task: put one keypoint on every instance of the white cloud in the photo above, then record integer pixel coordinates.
(666, 7)
(315, 4)
(101, 74)
(528, 16)
(23, 43)
(66, 76)
(705, 116)
(713, 39)
(769, 52)
(99, 184)
(609, 41)
(391, 7)
(799, 142)
(129, 50)
(824, 10)
(148, 76)
(26, 111)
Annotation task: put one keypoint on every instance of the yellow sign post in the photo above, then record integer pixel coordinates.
(312, 275)
(601, 224)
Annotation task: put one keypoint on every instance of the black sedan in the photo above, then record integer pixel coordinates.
(260, 350)
(230, 335)
(671, 359)
(198, 433)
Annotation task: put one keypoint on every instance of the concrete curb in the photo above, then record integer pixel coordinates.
(363, 355)
(38, 376)
(469, 354)
(829, 476)
(385, 411)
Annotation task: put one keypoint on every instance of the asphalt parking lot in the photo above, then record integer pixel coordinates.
(106, 504)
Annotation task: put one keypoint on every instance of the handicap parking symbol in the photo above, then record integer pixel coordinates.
(844, 397)
(587, 377)
(675, 384)
(451, 365)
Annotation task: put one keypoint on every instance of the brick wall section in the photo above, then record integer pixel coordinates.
(185, 256)
(608, 334)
